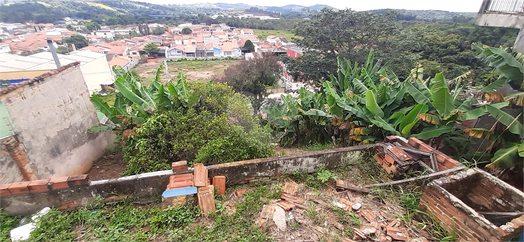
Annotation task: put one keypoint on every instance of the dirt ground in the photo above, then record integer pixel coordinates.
(197, 70)
(109, 166)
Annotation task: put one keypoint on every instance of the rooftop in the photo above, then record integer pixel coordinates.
(43, 60)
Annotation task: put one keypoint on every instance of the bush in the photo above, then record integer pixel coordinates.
(189, 134)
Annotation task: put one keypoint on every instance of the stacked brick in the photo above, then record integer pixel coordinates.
(182, 185)
(394, 156)
(52, 184)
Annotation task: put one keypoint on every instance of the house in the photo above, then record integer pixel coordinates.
(190, 51)
(44, 133)
(247, 31)
(272, 39)
(175, 51)
(294, 51)
(211, 39)
(217, 50)
(123, 62)
(231, 49)
(106, 33)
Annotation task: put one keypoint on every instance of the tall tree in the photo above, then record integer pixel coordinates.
(252, 77)
(78, 40)
(187, 30)
(343, 33)
(249, 46)
(151, 48)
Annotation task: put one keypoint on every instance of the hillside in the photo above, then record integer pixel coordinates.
(426, 14)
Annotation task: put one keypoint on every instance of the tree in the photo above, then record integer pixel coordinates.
(187, 30)
(78, 40)
(248, 46)
(252, 77)
(92, 26)
(62, 50)
(159, 31)
(343, 33)
(151, 48)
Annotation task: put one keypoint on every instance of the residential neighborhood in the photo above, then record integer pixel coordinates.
(124, 46)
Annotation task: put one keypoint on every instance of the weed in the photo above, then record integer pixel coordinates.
(299, 176)
(317, 146)
(325, 175)
(345, 217)
(7, 223)
(276, 191)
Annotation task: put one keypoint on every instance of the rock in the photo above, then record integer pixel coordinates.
(368, 230)
(23, 232)
(356, 206)
(340, 205)
(279, 217)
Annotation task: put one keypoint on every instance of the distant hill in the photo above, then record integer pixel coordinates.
(427, 14)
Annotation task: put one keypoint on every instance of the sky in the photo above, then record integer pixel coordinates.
(359, 5)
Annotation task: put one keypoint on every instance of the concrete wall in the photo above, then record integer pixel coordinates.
(96, 72)
(50, 115)
(148, 187)
(500, 20)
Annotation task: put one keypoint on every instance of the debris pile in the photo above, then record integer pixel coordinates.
(304, 216)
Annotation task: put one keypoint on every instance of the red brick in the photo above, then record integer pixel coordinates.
(59, 183)
(292, 198)
(179, 166)
(201, 175)
(206, 200)
(400, 153)
(389, 159)
(38, 186)
(4, 192)
(379, 159)
(19, 188)
(78, 180)
(419, 144)
(220, 183)
(180, 181)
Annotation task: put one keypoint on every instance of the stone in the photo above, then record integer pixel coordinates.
(177, 201)
(279, 217)
(23, 232)
(340, 205)
(356, 206)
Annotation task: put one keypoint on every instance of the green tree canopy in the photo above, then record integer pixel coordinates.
(252, 77)
(78, 40)
(151, 48)
(248, 46)
(187, 30)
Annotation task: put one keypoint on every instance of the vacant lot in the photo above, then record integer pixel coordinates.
(262, 34)
(194, 70)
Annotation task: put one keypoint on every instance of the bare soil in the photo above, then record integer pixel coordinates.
(109, 166)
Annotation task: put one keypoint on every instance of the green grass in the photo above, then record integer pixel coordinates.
(262, 34)
(126, 221)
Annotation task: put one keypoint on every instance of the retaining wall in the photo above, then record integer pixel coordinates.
(25, 198)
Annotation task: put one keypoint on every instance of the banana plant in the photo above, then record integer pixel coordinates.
(134, 102)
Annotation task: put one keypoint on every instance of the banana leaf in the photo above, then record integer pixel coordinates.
(433, 131)
(442, 100)
(371, 104)
(513, 124)
(506, 158)
(411, 117)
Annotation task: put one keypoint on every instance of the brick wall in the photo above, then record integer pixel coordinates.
(457, 201)
(50, 116)
(147, 187)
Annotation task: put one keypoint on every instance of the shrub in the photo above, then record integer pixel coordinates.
(189, 134)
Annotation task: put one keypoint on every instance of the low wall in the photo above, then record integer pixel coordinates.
(148, 187)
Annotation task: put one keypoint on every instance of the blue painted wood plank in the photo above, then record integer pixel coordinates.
(179, 192)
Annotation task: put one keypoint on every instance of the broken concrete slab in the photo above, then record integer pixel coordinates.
(279, 218)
